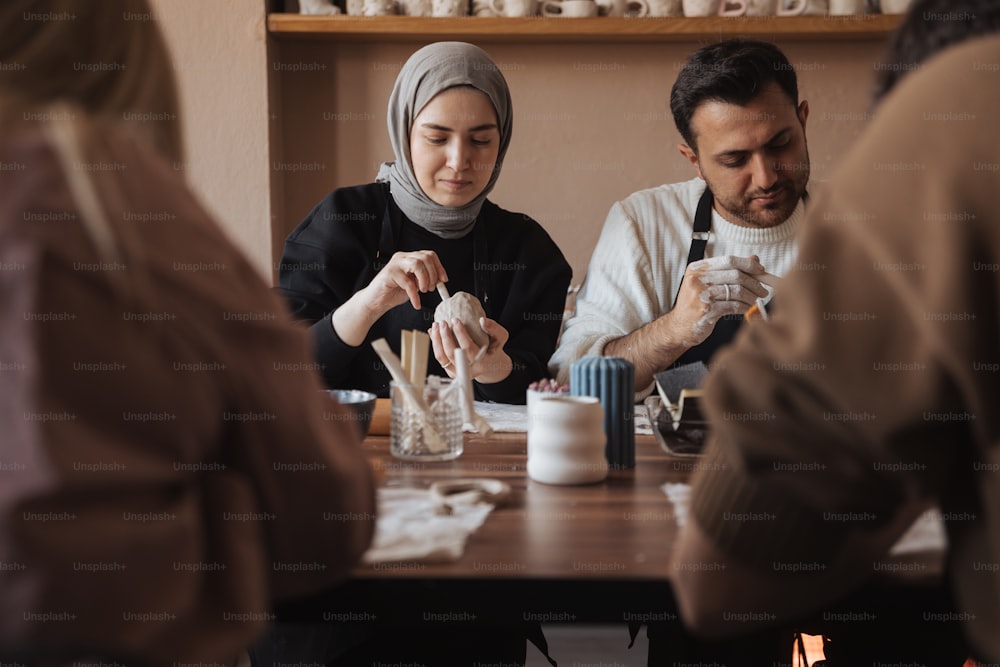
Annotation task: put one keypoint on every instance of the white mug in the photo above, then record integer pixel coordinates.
(762, 7)
(355, 7)
(514, 7)
(847, 7)
(569, 8)
(803, 7)
(701, 7)
(566, 440)
(482, 8)
(378, 7)
(416, 7)
(622, 8)
(636, 8)
(894, 6)
(733, 7)
(450, 8)
(664, 8)
(316, 7)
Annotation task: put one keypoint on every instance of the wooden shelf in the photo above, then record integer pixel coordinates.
(598, 29)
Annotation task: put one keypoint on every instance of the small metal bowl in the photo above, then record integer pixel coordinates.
(361, 403)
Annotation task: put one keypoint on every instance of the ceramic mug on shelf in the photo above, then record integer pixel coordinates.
(378, 7)
(760, 8)
(894, 6)
(803, 7)
(622, 8)
(482, 8)
(733, 7)
(664, 8)
(416, 7)
(701, 7)
(354, 7)
(569, 8)
(450, 8)
(847, 7)
(514, 7)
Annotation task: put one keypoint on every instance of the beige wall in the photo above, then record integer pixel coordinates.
(220, 57)
(592, 122)
(279, 129)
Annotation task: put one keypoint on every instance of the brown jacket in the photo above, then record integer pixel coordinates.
(873, 392)
(169, 465)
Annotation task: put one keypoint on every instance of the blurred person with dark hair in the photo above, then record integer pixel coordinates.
(928, 27)
(877, 384)
(153, 497)
(697, 250)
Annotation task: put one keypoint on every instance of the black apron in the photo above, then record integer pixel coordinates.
(727, 326)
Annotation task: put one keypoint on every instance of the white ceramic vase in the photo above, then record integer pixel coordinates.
(566, 440)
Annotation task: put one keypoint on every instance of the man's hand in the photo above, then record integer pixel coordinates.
(713, 288)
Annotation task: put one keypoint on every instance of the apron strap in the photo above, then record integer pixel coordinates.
(700, 232)
(702, 227)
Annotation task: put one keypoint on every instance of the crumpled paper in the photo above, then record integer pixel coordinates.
(411, 526)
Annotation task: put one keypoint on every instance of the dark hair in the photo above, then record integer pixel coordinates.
(734, 71)
(928, 27)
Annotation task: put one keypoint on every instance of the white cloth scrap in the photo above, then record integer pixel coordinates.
(680, 497)
(926, 534)
(411, 527)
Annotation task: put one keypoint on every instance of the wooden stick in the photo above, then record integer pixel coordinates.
(462, 377)
(406, 353)
(418, 358)
(443, 291)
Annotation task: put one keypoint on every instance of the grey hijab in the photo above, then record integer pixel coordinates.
(429, 71)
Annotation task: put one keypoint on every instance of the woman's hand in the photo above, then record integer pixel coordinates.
(403, 278)
(487, 365)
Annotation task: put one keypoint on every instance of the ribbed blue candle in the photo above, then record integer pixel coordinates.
(612, 380)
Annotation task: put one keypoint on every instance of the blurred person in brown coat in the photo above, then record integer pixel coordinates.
(169, 464)
(870, 397)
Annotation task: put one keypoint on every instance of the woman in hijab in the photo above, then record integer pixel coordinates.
(365, 263)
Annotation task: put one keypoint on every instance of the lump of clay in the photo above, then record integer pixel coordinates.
(467, 308)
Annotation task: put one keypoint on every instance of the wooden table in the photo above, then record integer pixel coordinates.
(593, 553)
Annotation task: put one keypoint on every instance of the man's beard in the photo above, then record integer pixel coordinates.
(790, 191)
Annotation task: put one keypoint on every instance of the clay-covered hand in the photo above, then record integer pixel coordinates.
(713, 288)
(488, 364)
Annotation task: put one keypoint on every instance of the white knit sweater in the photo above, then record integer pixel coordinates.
(640, 259)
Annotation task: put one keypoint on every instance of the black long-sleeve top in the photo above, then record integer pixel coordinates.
(508, 261)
